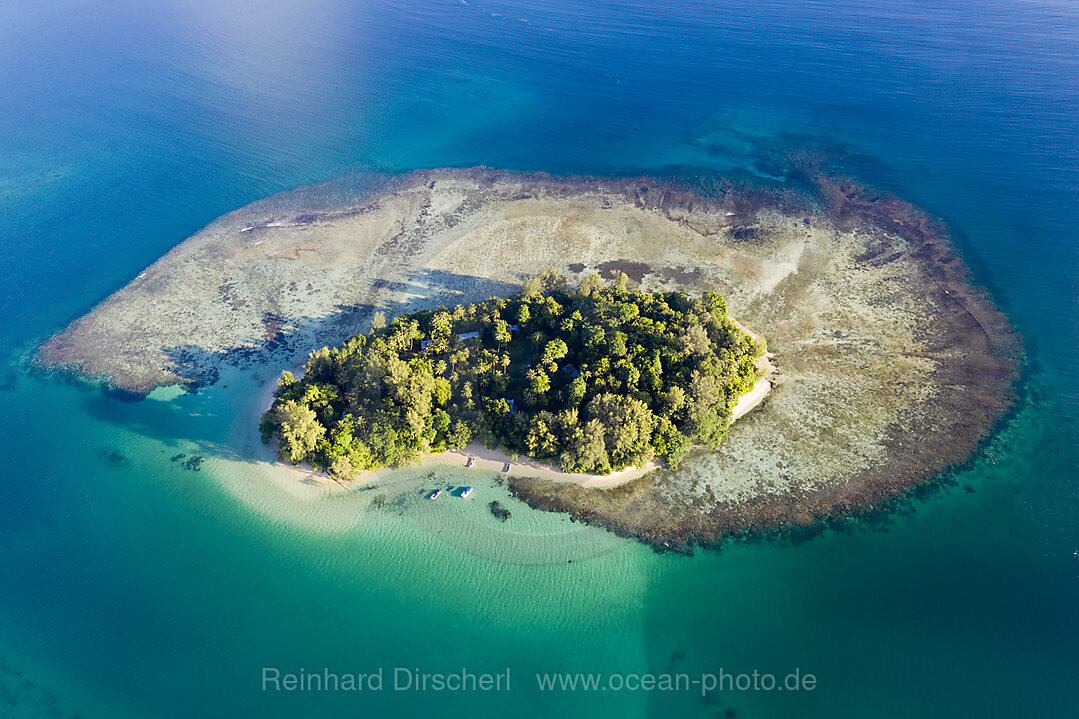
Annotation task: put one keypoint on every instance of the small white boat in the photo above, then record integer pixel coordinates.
(434, 494)
(467, 491)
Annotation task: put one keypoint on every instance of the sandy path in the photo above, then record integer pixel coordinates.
(752, 398)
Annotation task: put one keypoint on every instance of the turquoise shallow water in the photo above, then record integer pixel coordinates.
(132, 587)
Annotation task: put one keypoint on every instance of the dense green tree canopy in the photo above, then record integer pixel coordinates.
(593, 380)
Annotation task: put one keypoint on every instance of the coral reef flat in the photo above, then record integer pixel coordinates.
(890, 365)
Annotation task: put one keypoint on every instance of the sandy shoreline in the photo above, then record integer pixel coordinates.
(484, 459)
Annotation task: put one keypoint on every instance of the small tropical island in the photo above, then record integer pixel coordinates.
(891, 364)
(594, 379)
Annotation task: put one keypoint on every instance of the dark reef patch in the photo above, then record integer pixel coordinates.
(112, 457)
(636, 271)
(499, 511)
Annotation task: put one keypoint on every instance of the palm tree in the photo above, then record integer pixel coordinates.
(502, 333)
(459, 356)
(413, 332)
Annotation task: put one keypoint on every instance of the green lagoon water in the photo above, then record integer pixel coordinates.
(131, 587)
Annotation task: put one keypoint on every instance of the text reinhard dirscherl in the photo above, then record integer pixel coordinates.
(401, 679)
(414, 679)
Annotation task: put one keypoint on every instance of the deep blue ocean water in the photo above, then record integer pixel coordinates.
(129, 587)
